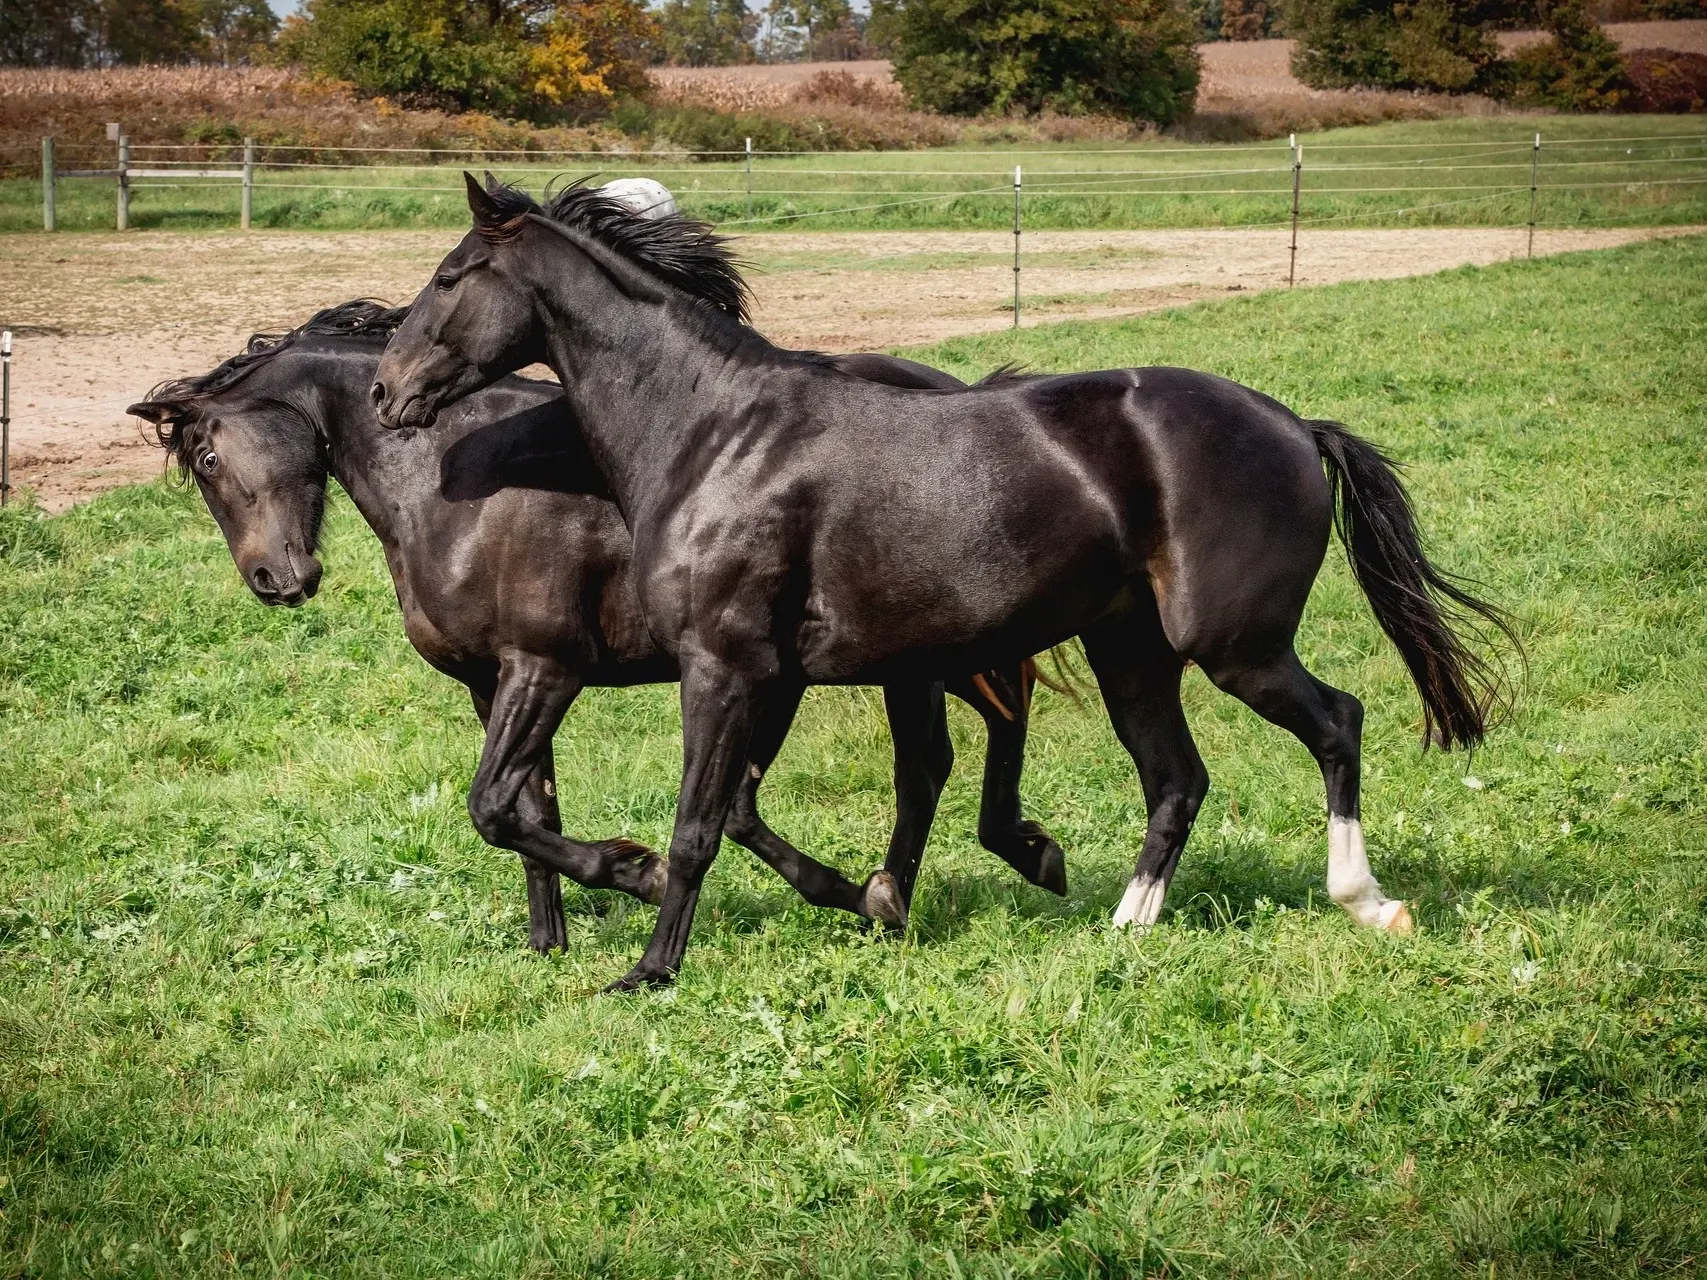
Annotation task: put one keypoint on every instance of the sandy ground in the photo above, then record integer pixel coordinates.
(99, 319)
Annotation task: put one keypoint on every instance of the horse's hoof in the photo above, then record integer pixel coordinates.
(1052, 869)
(880, 900)
(1396, 919)
(638, 979)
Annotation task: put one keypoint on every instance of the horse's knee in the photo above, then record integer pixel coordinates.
(497, 822)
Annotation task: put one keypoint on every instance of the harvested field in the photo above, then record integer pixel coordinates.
(102, 318)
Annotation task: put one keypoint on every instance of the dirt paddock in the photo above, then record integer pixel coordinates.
(100, 319)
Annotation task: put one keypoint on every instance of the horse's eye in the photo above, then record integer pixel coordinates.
(444, 284)
(210, 462)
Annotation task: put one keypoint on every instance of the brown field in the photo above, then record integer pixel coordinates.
(101, 318)
(1248, 89)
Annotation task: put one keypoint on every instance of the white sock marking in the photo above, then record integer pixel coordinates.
(1141, 904)
(1353, 885)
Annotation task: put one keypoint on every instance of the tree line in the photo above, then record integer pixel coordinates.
(574, 60)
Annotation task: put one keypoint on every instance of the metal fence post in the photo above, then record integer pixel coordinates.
(1297, 176)
(1534, 172)
(248, 181)
(1016, 246)
(49, 218)
(749, 179)
(5, 417)
(124, 183)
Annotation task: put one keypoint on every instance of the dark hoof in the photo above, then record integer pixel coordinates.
(547, 941)
(638, 979)
(1052, 868)
(880, 900)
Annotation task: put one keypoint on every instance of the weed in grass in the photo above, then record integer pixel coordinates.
(265, 1003)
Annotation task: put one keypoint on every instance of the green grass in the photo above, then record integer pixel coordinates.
(265, 1008)
(1465, 172)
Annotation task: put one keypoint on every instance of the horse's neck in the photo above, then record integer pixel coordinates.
(637, 374)
(364, 457)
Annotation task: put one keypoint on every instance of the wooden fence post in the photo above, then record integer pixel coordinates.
(248, 181)
(49, 219)
(1534, 173)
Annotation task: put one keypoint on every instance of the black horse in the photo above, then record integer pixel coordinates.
(794, 525)
(512, 570)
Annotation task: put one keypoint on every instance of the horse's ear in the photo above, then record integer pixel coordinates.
(159, 412)
(481, 204)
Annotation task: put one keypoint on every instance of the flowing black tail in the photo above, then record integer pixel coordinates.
(1421, 609)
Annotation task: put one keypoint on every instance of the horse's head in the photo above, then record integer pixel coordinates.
(485, 312)
(473, 324)
(262, 474)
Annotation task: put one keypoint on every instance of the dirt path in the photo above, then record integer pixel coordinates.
(100, 319)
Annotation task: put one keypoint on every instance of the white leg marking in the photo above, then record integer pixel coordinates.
(1141, 903)
(1353, 885)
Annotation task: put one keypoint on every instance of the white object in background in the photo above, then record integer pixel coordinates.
(642, 196)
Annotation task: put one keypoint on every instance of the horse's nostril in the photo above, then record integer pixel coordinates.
(377, 391)
(263, 579)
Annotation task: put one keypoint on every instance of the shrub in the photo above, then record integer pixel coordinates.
(521, 59)
(1440, 45)
(1664, 80)
(1128, 58)
(1577, 69)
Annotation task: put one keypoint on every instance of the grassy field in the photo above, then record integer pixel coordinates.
(265, 1008)
(1472, 172)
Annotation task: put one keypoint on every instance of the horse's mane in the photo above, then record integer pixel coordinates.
(362, 317)
(679, 250)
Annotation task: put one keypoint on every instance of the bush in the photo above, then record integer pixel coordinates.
(1445, 46)
(565, 61)
(1577, 69)
(1127, 58)
(1664, 80)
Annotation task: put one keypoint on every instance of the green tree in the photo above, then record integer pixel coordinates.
(1129, 58)
(512, 57)
(1578, 68)
(104, 33)
(707, 33)
(1442, 45)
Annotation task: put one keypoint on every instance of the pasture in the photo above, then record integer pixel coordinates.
(1628, 170)
(265, 1005)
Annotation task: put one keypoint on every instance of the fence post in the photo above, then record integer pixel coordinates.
(749, 179)
(124, 183)
(1016, 246)
(1534, 171)
(49, 218)
(5, 417)
(1297, 175)
(248, 181)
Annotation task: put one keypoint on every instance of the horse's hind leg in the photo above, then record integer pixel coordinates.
(528, 704)
(1330, 723)
(1002, 697)
(820, 885)
(1139, 673)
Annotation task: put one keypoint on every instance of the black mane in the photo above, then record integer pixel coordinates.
(679, 250)
(363, 317)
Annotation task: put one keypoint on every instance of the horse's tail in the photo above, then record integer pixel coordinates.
(1422, 609)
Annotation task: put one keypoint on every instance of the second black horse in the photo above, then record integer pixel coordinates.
(511, 566)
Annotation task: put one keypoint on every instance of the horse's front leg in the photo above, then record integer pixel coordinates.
(720, 707)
